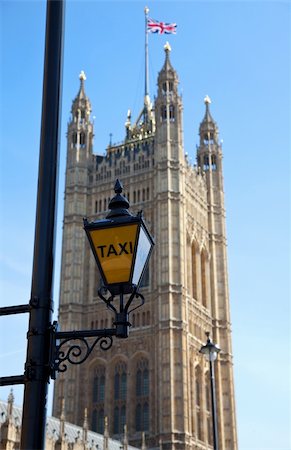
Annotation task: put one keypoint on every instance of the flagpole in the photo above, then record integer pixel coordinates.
(146, 88)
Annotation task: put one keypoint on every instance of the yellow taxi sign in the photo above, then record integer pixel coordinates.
(114, 249)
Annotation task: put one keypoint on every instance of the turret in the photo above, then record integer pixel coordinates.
(80, 128)
(209, 151)
(168, 111)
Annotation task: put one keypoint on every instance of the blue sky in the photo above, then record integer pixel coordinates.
(239, 54)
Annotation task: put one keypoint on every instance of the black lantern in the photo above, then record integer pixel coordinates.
(121, 245)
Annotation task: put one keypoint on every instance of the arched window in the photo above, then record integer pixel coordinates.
(116, 420)
(100, 421)
(194, 271)
(98, 395)
(94, 420)
(116, 386)
(198, 386)
(123, 386)
(172, 113)
(138, 383)
(213, 162)
(145, 382)
(122, 417)
(102, 388)
(74, 138)
(95, 389)
(203, 279)
(138, 418)
(206, 162)
(163, 113)
(99, 385)
(82, 139)
(120, 393)
(142, 396)
(145, 417)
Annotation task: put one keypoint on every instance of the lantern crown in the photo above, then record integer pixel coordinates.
(119, 204)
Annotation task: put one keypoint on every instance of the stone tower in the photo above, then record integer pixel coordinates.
(155, 382)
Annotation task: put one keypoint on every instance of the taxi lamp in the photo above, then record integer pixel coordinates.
(121, 245)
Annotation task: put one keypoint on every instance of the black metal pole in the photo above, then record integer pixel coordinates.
(38, 351)
(213, 405)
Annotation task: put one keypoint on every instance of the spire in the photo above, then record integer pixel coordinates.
(82, 103)
(62, 420)
(85, 426)
(167, 72)
(10, 402)
(125, 438)
(106, 434)
(208, 129)
(143, 442)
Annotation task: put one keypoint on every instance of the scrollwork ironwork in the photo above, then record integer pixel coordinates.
(78, 352)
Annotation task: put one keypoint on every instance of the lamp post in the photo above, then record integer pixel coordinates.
(210, 350)
(122, 246)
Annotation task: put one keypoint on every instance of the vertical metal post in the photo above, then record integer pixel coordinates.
(213, 405)
(38, 348)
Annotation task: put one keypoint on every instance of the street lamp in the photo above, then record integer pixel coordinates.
(210, 350)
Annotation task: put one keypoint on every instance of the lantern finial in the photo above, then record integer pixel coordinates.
(119, 204)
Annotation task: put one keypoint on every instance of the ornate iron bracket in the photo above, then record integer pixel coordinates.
(66, 352)
(74, 347)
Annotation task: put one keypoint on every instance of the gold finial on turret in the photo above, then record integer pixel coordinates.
(82, 76)
(167, 47)
(207, 99)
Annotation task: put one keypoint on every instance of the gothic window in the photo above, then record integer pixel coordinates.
(120, 393)
(194, 271)
(203, 278)
(213, 162)
(99, 385)
(172, 113)
(164, 87)
(100, 421)
(163, 113)
(206, 162)
(142, 396)
(199, 426)
(171, 86)
(208, 138)
(82, 139)
(74, 138)
(94, 421)
(98, 399)
(83, 115)
(138, 426)
(197, 386)
(116, 420)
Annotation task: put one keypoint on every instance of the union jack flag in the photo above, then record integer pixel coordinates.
(153, 26)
